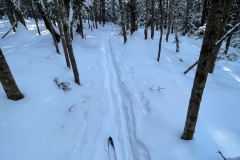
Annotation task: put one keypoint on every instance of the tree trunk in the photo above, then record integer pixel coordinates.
(16, 11)
(133, 11)
(170, 15)
(166, 15)
(68, 41)
(176, 23)
(161, 4)
(146, 19)
(64, 45)
(152, 18)
(48, 24)
(186, 20)
(122, 21)
(9, 85)
(208, 45)
(34, 16)
(204, 12)
(224, 9)
(114, 19)
(103, 12)
(236, 20)
(9, 13)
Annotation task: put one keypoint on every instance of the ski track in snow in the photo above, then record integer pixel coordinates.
(116, 111)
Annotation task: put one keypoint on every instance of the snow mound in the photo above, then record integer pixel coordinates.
(22, 32)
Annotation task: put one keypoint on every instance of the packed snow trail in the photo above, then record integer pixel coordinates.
(116, 111)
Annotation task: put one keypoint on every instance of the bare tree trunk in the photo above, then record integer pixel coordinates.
(9, 85)
(152, 18)
(48, 24)
(186, 20)
(204, 12)
(103, 12)
(146, 19)
(133, 10)
(127, 6)
(34, 16)
(68, 41)
(16, 11)
(208, 45)
(9, 13)
(122, 21)
(176, 23)
(60, 25)
(236, 20)
(225, 8)
(166, 15)
(161, 15)
(170, 15)
(114, 19)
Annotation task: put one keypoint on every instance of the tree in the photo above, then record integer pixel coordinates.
(6, 78)
(161, 15)
(123, 21)
(204, 12)
(210, 38)
(48, 24)
(236, 18)
(152, 17)
(146, 19)
(225, 8)
(170, 15)
(133, 10)
(66, 35)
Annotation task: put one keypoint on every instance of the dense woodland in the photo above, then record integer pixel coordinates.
(213, 20)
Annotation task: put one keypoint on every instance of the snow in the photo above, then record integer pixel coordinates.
(124, 94)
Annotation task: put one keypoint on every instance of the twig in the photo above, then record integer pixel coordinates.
(14, 24)
(221, 155)
(185, 72)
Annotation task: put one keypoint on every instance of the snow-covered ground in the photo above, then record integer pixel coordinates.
(125, 94)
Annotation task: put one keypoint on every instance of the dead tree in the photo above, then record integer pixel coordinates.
(9, 85)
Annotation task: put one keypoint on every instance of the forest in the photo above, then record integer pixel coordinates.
(119, 79)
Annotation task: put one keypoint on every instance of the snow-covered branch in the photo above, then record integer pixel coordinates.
(228, 33)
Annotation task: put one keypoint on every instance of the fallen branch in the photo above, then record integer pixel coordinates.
(14, 24)
(185, 72)
(221, 155)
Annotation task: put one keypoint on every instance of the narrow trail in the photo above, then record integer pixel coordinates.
(120, 105)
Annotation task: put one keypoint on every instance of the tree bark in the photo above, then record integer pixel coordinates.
(204, 12)
(133, 10)
(161, 4)
(34, 16)
(170, 15)
(68, 39)
(224, 9)
(122, 21)
(152, 18)
(48, 24)
(208, 45)
(146, 19)
(236, 20)
(186, 20)
(9, 85)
